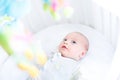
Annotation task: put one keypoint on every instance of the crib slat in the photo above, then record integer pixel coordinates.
(97, 17)
(79, 10)
(114, 29)
(107, 24)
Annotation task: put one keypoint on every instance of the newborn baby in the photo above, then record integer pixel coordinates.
(65, 62)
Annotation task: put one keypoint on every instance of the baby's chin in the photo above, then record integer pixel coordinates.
(62, 55)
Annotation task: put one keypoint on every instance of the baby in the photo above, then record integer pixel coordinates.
(64, 63)
(74, 46)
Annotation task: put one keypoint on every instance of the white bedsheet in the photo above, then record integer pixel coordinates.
(93, 67)
(96, 64)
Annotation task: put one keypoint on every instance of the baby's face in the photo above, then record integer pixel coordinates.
(72, 46)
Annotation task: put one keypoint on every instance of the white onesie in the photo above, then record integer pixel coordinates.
(59, 68)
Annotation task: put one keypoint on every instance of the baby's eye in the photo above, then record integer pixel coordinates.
(74, 42)
(65, 40)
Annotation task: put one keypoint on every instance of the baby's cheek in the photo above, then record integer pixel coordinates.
(59, 47)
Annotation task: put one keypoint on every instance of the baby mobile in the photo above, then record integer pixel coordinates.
(18, 41)
(55, 7)
(15, 39)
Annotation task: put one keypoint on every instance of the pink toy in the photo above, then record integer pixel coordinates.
(54, 7)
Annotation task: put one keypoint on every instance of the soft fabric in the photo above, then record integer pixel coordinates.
(96, 63)
(59, 68)
(94, 66)
(10, 71)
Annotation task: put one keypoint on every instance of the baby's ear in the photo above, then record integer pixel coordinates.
(82, 54)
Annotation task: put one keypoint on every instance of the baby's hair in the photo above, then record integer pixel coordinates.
(86, 39)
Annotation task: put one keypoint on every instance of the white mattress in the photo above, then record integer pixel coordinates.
(96, 64)
(93, 67)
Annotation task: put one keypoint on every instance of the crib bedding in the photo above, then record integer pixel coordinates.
(97, 62)
(94, 66)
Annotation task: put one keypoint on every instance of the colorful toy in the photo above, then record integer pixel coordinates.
(54, 7)
(18, 41)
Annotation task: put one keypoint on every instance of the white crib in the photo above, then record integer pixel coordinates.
(86, 12)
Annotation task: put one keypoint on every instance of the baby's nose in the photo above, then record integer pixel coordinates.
(65, 42)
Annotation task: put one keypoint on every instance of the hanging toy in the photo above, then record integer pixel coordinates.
(54, 7)
(10, 12)
(16, 40)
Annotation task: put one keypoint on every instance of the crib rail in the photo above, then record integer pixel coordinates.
(107, 23)
(85, 12)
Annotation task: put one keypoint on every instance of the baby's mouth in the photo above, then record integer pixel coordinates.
(64, 47)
